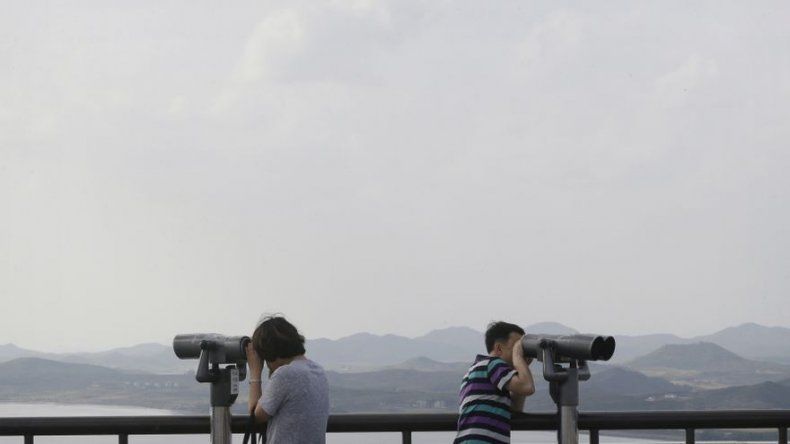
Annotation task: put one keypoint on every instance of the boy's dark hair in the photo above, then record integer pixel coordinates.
(277, 338)
(500, 331)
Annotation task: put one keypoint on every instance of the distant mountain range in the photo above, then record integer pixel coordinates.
(150, 357)
(366, 352)
(388, 390)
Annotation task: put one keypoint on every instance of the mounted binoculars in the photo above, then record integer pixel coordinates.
(221, 349)
(212, 350)
(568, 348)
(575, 351)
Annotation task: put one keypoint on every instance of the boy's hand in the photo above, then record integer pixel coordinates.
(521, 384)
(518, 351)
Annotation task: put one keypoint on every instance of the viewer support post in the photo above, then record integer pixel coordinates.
(574, 350)
(213, 350)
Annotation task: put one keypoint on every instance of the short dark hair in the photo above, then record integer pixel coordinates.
(500, 331)
(277, 338)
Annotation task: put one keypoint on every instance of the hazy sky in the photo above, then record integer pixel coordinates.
(391, 167)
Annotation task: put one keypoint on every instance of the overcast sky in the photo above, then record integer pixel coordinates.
(391, 167)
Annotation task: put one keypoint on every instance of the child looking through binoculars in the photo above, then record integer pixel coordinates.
(496, 384)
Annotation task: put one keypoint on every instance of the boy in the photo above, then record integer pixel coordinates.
(495, 385)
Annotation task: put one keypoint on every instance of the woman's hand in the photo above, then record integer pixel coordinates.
(254, 362)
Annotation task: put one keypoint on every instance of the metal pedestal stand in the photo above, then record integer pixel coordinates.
(224, 391)
(564, 390)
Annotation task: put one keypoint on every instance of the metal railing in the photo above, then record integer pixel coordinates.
(406, 424)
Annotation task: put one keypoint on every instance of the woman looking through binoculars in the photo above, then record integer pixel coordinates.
(295, 400)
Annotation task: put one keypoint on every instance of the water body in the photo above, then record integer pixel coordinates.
(28, 410)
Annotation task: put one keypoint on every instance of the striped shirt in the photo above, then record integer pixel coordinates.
(484, 414)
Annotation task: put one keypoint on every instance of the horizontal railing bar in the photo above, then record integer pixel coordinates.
(711, 419)
(166, 425)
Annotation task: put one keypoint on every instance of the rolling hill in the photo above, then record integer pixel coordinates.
(754, 341)
(706, 365)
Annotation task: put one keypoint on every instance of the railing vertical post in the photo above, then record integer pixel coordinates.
(28, 439)
(690, 436)
(406, 436)
(123, 438)
(782, 435)
(593, 436)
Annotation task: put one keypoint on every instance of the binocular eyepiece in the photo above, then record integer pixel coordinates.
(578, 347)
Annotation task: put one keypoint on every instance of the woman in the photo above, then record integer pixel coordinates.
(295, 401)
